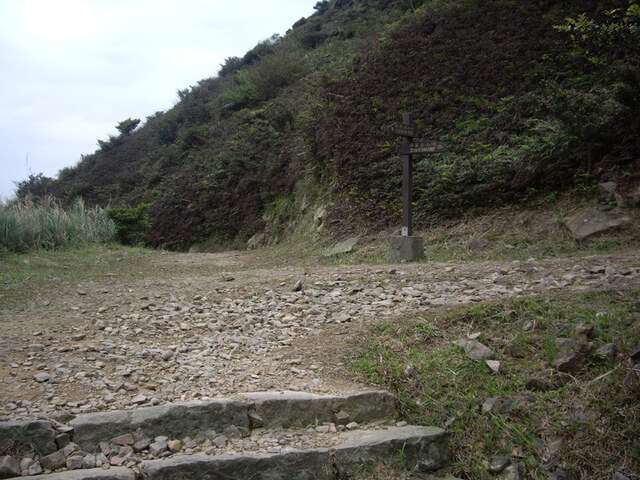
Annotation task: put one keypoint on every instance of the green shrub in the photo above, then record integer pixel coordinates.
(243, 94)
(275, 72)
(132, 223)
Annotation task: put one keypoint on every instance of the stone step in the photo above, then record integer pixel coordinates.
(281, 432)
(115, 473)
(350, 451)
(272, 409)
(406, 445)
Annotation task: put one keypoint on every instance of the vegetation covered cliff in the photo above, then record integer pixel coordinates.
(532, 98)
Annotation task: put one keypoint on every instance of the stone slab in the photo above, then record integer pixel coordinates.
(589, 222)
(177, 419)
(38, 435)
(411, 444)
(405, 248)
(301, 409)
(113, 473)
(345, 246)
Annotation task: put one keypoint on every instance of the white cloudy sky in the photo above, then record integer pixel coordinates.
(70, 70)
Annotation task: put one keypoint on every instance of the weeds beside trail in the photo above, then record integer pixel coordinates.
(28, 225)
(586, 423)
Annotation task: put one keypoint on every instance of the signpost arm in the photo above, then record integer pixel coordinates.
(407, 181)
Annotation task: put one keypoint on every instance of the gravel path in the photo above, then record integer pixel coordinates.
(198, 326)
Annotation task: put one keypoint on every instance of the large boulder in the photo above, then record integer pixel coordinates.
(589, 222)
(345, 246)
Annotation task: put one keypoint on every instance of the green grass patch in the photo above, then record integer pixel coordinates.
(588, 423)
(25, 277)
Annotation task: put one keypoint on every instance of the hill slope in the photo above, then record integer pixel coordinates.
(299, 121)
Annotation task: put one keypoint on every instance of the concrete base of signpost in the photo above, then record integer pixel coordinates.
(405, 248)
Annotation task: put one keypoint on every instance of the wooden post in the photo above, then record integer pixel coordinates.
(407, 180)
(406, 246)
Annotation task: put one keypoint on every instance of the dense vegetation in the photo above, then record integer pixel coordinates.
(528, 103)
(27, 225)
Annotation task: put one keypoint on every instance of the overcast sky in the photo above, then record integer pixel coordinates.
(70, 70)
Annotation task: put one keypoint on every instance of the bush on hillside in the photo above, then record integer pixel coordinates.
(132, 223)
(35, 186)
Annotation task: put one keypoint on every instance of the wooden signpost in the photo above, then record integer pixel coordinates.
(410, 247)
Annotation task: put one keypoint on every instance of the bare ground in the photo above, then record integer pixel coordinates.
(161, 327)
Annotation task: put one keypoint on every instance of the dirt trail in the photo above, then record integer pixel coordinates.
(188, 326)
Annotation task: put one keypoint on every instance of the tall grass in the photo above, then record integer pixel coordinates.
(26, 225)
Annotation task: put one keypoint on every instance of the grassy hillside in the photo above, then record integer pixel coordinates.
(300, 120)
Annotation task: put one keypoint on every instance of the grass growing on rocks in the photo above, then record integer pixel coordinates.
(586, 423)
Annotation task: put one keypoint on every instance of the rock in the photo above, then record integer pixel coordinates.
(62, 440)
(408, 371)
(341, 418)
(345, 246)
(297, 287)
(38, 435)
(167, 355)
(607, 191)
(225, 277)
(475, 350)
(220, 441)
(101, 459)
(516, 350)
(511, 472)
(570, 362)
(620, 476)
(431, 465)
(498, 405)
(74, 462)
(174, 446)
(405, 248)
(584, 331)
(608, 352)
(537, 385)
(34, 469)
(477, 243)
(494, 365)
(256, 241)
(42, 377)
(498, 464)
(610, 271)
(25, 463)
(492, 405)
(54, 460)
(635, 356)
(126, 439)
(141, 445)
(255, 420)
(589, 222)
(631, 382)
(105, 448)
(139, 400)
(158, 447)
(558, 475)
(9, 467)
(89, 461)
(232, 432)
